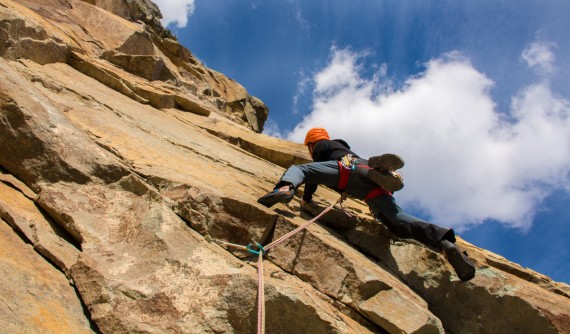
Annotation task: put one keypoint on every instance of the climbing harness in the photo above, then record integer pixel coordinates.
(347, 165)
(376, 192)
(259, 250)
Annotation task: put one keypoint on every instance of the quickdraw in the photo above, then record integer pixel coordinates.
(349, 162)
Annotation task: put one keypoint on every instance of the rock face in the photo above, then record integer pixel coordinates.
(122, 45)
(129, 171)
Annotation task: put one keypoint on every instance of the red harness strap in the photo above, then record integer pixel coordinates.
(377, 192)
(345, 175)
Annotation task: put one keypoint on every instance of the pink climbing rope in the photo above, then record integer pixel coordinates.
(260, 296)
(300, 228)
(260, 286)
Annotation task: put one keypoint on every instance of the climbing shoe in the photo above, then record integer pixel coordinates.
(464, 268)
(388, 161)
(388, 180)
(277, 196)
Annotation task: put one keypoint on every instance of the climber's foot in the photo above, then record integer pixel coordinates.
(280, 195)
(388, 161)
(388, 180)
(464, 268)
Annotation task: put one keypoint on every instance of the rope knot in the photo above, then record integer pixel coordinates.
(259, 250)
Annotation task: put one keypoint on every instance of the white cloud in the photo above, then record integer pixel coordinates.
(341, 73)
(175, 11)
(302, 85)
(271, 128)
(465, 162)
(539, 56)
(304, 24)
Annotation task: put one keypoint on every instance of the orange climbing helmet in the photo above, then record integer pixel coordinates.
(316, 134)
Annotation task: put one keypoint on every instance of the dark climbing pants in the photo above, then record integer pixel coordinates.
(384, 207)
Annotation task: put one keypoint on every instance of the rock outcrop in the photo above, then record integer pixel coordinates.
(122, 45)
(128, 172)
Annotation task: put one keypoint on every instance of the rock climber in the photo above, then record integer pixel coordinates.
(374, 180)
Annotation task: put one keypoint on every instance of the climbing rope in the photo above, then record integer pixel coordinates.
(260, 296)
(261, 251)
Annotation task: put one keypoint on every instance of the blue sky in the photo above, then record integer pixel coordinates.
(475, 95)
